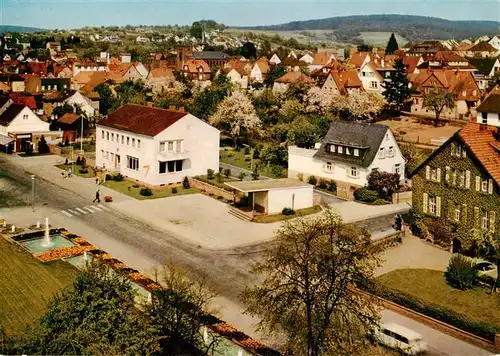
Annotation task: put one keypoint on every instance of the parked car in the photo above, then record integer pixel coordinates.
(485, 268)
(398, 337)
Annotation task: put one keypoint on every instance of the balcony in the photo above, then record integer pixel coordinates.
(172, 155)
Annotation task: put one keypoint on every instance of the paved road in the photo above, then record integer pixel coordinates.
(144, 247)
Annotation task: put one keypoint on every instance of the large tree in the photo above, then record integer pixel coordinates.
(392, 45)
(96, 315)
(236, 117)
(437, 99)
(107, 101)
(397, 91)
(306, 293)
(275, 72)
(364, 106)
(248, 50)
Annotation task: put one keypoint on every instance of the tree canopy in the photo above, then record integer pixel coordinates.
(437, 99)
(392, 45)
(397, 91)
(306, 293)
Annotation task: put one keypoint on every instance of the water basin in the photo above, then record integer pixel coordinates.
(38, 245)
(79, 261)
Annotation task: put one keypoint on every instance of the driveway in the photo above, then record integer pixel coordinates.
(201, 220)
(414, 253)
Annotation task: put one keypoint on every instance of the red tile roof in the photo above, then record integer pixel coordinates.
(482, 142)
(411, 63)
(347, 79)
(28, 100)
(142, 120)
(294, 77)
(38, 67)
(358, 58)
(68, 118)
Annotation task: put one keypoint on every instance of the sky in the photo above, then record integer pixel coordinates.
(69, 14)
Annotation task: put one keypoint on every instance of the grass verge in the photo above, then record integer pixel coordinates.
(242, 160)
(430, 291)
(26, 284)
(133, 189)
(266, 219)
(76, 170)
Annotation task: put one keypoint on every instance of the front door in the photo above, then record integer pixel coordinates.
(117, 161)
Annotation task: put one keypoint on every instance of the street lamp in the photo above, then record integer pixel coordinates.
(33, 192)
(81, 136)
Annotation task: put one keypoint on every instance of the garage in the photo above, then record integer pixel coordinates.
(270, 196)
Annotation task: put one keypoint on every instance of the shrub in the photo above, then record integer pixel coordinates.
(185, 183)
(383, 182)
(227, 172)
(237, 149)
(220, 197)
(109, 177)
(146, 192)
(365, 194)
(174, 190)
(219, 178)
(256, 153)
(248, 159)
(276, 171)
(136, 186)
(108, 199)
(247, 150)
(288, 211)
(332, 186)
(229, 155)
(300, 176)
(379, 202)
(43, 147)
(312, 180)
(66, 162)
(83, 161)
(461, 273)
(255, 173)
(242, 175)
(83, 171)
(118, 177)
(210, 173)
(78, 160)
(322, 184)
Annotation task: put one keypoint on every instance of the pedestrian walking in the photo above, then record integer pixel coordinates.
(97, 197)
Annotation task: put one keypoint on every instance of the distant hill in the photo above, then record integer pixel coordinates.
(12, 28)
(413, 28)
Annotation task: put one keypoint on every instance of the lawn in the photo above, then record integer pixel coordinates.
(132, 189)
(26, 284)
(215, 182)
(266, 219)
(76, 170)
(430, 286)
(242, 160)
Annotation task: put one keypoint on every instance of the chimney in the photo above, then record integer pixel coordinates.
(181, 109)
(171, 108)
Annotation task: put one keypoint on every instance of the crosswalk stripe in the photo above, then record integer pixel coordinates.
(81, 211)
(66, 213)
(102, 207)
(73, 212)
(88, 209)
(93, 208)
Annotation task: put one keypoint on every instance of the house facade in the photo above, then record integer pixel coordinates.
(90, 108)
(456, 188)
(489, 110)
(347, 155)
(156, 146)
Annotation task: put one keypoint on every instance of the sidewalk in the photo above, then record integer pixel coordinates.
(44, 167)
(352, 211)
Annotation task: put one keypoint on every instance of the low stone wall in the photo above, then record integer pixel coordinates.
(436, 324)
(403, 197)
(55, 149)
(211, 189)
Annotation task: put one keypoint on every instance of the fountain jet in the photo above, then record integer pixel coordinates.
(46, 240)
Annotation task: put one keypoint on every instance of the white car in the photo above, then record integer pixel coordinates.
(398, 337)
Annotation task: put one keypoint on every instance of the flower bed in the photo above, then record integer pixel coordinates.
(64, 252)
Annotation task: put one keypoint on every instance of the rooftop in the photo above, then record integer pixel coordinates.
(266, 184)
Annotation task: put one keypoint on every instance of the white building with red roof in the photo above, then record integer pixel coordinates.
(156, 146)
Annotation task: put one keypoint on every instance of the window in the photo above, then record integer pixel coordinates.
(433, 173)
(432, 205)
(328, 166)
(112, 156)
(464, 92)
(178, 146)
(354, 172)
(332, 148)
(485, 221)
(458, 151)
(458, 212)
(474, 92)
(397, 168)
(128, 141)
(381, 153)
(347, 151)
(170, 146)
(339, 149)
(102, 132)
(112, 137)
(133, 142)
(373, 85)
(484, 185)
(484, 117)
(107, 135)
(123, 139)
(162, 146)
(107, 154)
(102, 153)
(391, 151)
(461, 182)
(356, 152)
(133, 163)
(138, 143)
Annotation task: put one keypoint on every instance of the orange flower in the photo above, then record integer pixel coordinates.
(64, 252)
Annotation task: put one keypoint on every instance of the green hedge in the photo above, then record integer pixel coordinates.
(460, 321)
